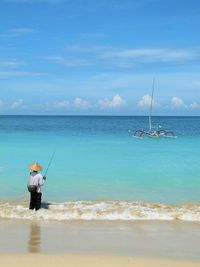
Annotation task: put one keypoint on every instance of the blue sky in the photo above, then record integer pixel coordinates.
(99, 57)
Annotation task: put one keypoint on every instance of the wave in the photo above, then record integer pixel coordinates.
(101, 210)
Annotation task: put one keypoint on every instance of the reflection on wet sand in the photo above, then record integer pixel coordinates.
(34, 238)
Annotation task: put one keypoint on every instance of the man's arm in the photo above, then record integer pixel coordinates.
(41, 180)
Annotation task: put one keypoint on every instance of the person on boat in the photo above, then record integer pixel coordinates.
(156, 133)
(35, 181)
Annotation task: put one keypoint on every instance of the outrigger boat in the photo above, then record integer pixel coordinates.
(153, 132)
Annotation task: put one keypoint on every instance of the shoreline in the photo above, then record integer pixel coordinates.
(100, 211)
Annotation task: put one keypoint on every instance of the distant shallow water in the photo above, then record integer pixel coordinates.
(97, 159)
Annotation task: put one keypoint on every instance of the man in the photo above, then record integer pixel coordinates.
(36, 180)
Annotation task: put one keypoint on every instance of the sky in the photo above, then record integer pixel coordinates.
(89, 57)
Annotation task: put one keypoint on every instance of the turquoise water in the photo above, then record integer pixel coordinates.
(97, 159)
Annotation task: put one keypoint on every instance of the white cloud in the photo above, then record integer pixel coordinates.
(118, 4)
(124, 58)
(145, 101)
(69, 62)
(77, 103)
(86, 49)
(21, 30)
(16, 32)
(62, 104)
(142, 55)
(178, 102)
(10, 74)
(80, 103)
(35, 1)
(11, 63)
(41, 106)
(148, 54)
(1, 103)
(17, 103)
(93, 35)
(194, 105)
(116, 102)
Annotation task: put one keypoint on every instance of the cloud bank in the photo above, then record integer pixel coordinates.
(177, 102)
(116, 102)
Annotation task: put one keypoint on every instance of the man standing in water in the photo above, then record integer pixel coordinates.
(36, 180)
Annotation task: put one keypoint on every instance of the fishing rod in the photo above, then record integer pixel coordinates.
(49, 164)
(151, 105)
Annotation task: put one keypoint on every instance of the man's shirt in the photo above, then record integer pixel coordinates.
(36, 178)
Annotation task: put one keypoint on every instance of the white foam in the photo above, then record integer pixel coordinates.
(102, 210)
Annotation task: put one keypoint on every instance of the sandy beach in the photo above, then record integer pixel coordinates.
(75, 243)
(22, 260)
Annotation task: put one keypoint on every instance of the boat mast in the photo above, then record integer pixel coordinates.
(150, 113)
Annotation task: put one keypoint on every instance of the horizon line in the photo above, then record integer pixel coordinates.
(92, 115)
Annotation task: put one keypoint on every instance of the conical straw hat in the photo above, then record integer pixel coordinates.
(35, 167)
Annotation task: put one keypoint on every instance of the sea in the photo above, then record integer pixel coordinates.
(98, 170)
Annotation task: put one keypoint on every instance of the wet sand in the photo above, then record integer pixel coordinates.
(141, 239)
